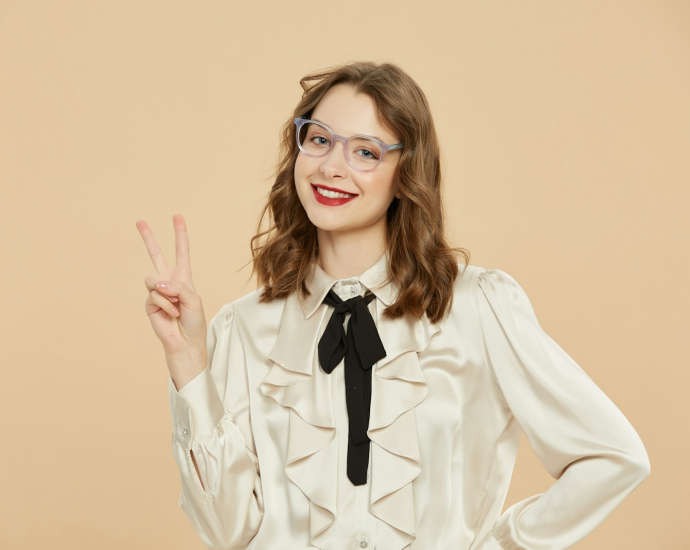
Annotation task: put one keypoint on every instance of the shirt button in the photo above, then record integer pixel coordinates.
(363, 543)
(184, 432)
(353, 290)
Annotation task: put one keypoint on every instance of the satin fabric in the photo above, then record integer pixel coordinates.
(268, 428)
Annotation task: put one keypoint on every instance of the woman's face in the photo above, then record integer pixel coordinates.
(347, 113)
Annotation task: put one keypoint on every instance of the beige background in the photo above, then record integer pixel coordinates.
(565, 129)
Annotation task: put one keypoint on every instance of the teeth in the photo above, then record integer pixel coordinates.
(333, 194)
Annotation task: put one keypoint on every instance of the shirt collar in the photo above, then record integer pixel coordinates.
(319, 283)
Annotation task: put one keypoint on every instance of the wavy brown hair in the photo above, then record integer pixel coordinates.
(421, 263)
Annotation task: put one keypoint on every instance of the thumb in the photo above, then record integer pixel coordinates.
(178, 289)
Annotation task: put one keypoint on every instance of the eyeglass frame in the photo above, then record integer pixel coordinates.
(300, 121)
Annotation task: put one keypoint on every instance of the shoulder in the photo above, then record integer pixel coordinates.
(247, 308)
(476, 285)
(473, 278)
(501, 291)
(467, 278)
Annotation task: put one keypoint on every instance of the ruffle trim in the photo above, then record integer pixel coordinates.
(398, 386)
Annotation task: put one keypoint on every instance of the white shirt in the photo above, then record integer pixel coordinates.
(268, 428)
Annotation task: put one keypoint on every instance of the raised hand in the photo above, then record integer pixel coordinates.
(176, 313)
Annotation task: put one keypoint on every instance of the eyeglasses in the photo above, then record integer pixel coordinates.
(363, 153)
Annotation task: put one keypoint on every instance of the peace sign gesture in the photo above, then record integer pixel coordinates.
(181, 329)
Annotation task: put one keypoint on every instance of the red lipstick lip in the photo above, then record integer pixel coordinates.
(333, 189)
(327, 201)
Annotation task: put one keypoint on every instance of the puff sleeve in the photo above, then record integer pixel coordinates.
(211, 419)
(583, 440)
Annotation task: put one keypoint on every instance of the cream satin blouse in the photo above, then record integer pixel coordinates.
(268, 428)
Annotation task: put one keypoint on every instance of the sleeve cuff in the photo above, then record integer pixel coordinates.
(196, 409)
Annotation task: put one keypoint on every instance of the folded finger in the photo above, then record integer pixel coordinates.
(155, 298)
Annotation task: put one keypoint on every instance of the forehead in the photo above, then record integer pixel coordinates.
(347, 112)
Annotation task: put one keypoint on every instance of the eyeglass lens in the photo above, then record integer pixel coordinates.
(315, 140)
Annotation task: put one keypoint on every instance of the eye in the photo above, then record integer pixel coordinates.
(368, 155)
(320, 140)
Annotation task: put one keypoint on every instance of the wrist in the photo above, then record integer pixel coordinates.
(185, 366)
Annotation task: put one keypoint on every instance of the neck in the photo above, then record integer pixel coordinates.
(344, 254)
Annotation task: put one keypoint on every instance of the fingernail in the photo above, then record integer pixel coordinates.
(177, 313)
(163, 284)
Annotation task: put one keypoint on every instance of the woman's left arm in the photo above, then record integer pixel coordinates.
(583, 440)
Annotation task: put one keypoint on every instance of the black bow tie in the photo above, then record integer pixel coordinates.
(361, 347)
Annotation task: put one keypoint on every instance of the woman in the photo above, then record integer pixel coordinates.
(372, 392)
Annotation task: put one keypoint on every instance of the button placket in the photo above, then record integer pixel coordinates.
(364, 528)
(363, 521)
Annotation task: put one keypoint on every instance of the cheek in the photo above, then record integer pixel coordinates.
(384, 186)
(299, 168)
(304, 167)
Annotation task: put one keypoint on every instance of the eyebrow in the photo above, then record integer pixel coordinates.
(375, 137)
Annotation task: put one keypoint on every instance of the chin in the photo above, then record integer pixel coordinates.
(325, 223)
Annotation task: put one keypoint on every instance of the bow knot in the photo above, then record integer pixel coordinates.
(334, 343)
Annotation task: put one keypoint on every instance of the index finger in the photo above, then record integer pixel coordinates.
(153, 249)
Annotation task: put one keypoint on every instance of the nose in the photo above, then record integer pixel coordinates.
(334, 163)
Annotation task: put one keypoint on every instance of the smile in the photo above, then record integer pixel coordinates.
(331, 198)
